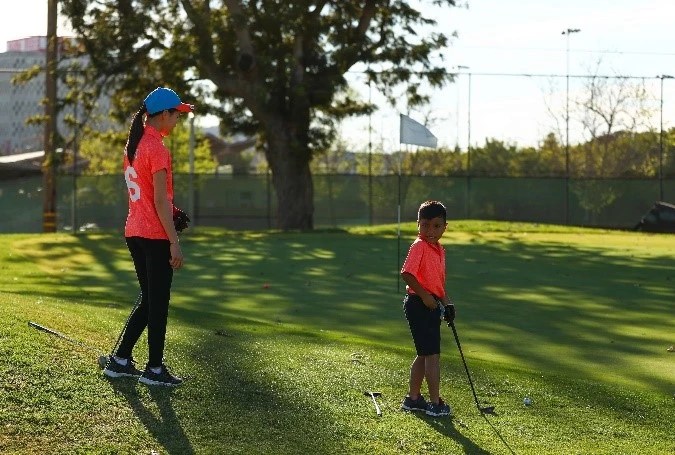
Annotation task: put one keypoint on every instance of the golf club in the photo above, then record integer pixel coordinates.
(482, 409)
(102, 359)
(373, 395)
(119, 338)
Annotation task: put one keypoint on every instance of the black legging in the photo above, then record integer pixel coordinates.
(151, 261)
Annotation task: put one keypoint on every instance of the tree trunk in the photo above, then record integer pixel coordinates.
(292, 180)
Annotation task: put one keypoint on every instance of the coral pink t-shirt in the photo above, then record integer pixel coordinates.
(426, 262)
(151, 156)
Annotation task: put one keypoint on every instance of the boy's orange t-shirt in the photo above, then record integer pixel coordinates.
(426, 262)
(151, 156)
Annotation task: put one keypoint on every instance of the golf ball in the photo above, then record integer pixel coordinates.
(527, 401)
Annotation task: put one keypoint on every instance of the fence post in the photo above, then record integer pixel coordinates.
(269, 199)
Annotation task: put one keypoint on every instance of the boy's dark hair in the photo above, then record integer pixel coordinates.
(431, 209)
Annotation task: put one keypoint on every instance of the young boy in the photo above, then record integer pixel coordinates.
(425, 301)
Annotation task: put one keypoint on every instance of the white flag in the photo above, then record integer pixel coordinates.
(415, 133)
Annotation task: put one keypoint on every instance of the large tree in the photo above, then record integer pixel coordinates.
(275, 68)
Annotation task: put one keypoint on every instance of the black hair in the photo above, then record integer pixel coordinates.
(136, 131)
(431, 209)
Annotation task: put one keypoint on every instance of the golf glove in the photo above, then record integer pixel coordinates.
(447, 311)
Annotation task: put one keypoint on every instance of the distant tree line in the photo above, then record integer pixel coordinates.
(619, 155)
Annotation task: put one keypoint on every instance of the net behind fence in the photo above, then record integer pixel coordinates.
(249, 202)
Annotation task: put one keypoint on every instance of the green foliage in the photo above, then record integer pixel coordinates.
(622, 155)
(179, 144)
(105, 151)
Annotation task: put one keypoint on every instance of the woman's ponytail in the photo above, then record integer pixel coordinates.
(135, 133)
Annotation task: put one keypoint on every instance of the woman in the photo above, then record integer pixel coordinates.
(150, 235)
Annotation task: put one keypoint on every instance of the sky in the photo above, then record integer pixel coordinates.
(496, 42)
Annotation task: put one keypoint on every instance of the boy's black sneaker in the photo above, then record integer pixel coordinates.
(420, 404)
(114, 369)
(438, 410)
(163, 378)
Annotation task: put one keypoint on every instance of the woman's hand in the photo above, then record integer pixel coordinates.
(176, 259)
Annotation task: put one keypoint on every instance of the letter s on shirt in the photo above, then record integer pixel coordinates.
(134, 189)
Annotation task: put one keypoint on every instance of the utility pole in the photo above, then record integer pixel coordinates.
(459, 72)
(370, 155)
(191, 158)
(568, 32)
(49, 162)
(662, 77)
(468, 151)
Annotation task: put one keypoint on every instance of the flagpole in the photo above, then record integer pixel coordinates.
(414, 133)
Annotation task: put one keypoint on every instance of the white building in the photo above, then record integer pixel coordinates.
(20, 102)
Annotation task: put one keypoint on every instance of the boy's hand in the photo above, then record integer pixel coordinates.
(430, 302)
(449, 314)
(447, 311)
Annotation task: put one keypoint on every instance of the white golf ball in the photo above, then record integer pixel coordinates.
(527, 401)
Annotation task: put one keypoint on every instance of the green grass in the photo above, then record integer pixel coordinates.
(280, 334)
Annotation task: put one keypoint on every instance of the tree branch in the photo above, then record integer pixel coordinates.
(240, 27)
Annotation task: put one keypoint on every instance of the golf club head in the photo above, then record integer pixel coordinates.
(102, 361)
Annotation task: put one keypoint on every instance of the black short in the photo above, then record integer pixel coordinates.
(425, 325)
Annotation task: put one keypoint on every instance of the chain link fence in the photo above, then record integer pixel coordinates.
(249, 202)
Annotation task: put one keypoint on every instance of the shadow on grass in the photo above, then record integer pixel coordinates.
(246, 400)
(446, 427)
(165, 427)
(499, 435)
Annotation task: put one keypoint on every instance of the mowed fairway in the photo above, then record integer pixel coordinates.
(279, 335)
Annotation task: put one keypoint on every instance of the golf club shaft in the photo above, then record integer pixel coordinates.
(124, 329)
(468, 375)
(62, 336)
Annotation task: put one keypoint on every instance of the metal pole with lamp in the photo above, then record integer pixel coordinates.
(567, 32)
(76, 133)
(191, 160)
(370, 156)
(459, 72)
(468, 152)
(662, 77)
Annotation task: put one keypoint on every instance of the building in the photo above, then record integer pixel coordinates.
(22, 101)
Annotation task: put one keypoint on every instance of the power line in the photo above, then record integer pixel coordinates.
(550, 75)
(557, 50)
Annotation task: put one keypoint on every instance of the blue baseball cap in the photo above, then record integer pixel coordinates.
(162, 98)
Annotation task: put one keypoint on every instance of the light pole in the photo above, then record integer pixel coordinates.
(370, 155)
(191, 158)
(468, 150)
(76, 133)
(662, 77)
(567, 33)
(459, 71)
